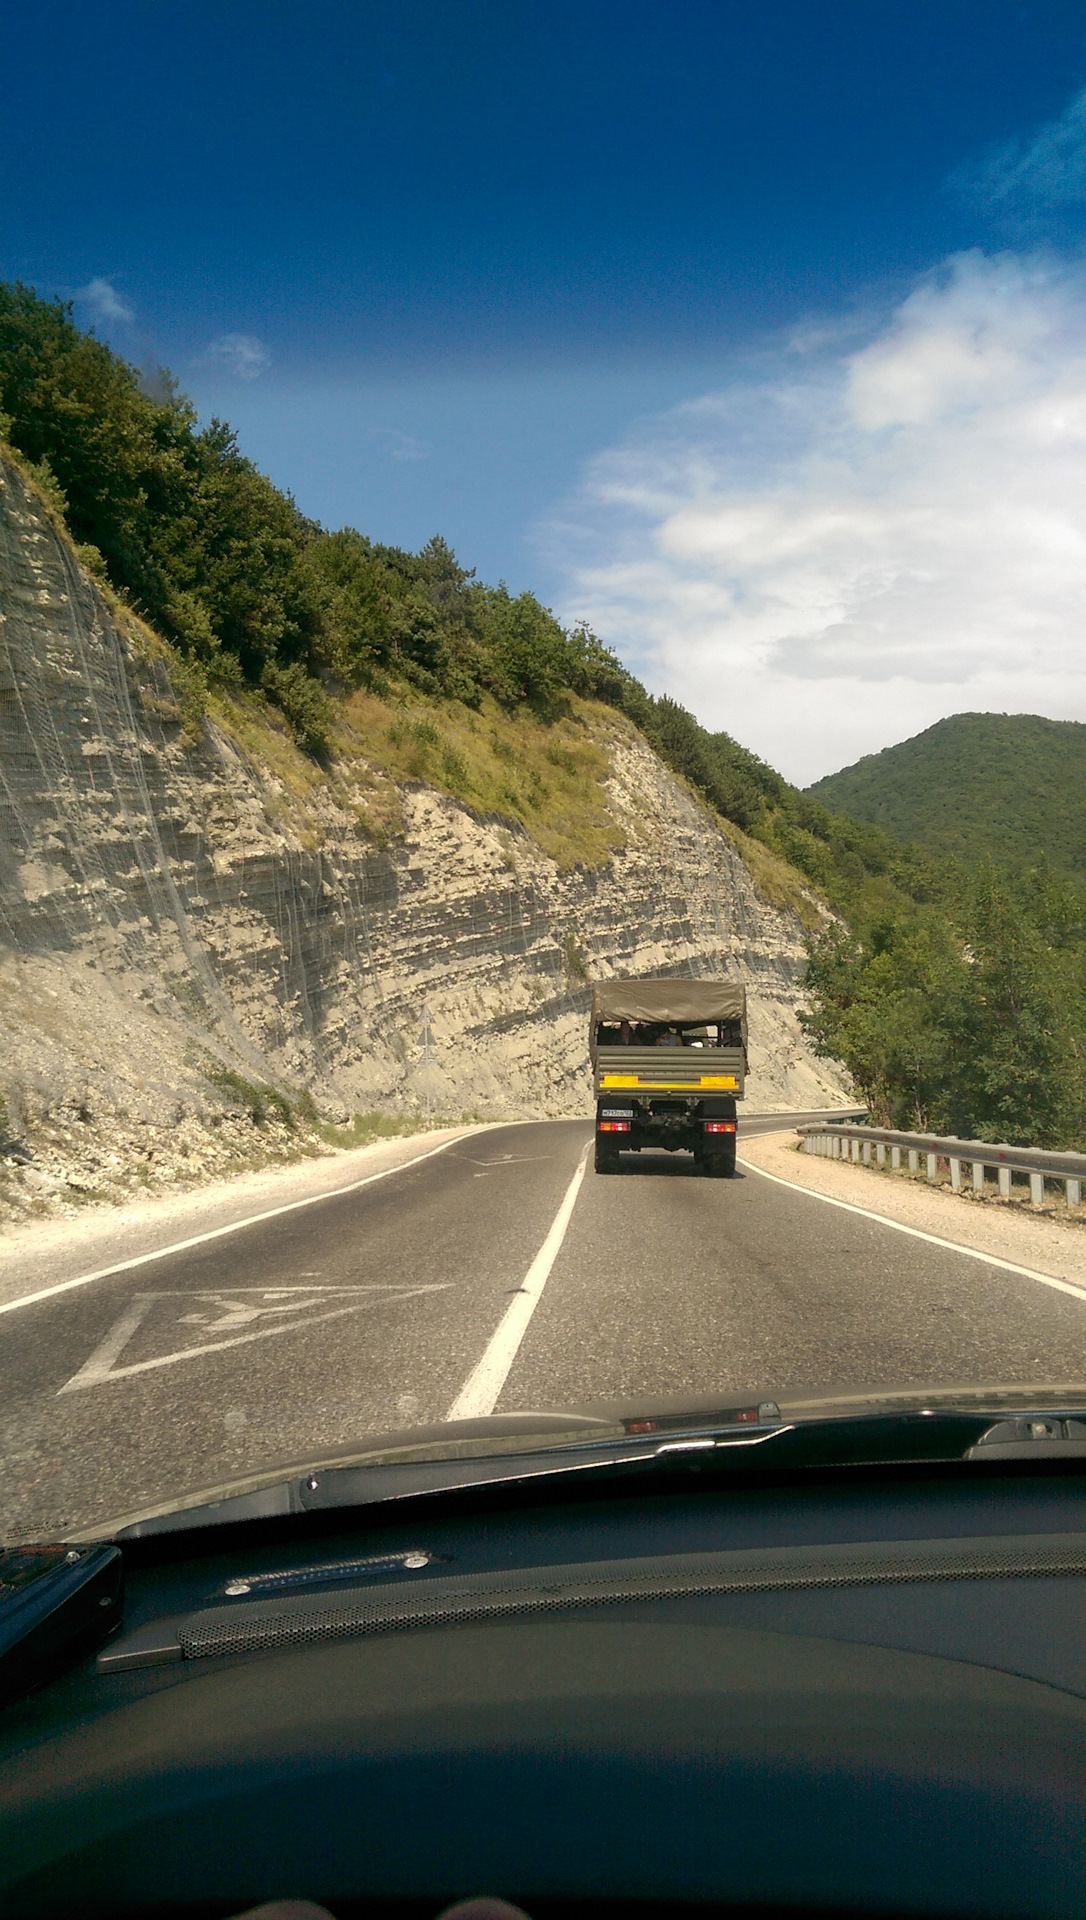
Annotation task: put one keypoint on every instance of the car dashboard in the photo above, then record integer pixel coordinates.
(836, 1691)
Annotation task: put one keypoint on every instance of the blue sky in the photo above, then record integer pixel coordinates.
(733, 326)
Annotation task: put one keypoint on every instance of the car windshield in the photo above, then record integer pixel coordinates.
(542, 732)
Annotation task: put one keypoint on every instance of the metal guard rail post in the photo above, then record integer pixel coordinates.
(864, 1144)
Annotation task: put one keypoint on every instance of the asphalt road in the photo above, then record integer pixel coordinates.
(376, 1309)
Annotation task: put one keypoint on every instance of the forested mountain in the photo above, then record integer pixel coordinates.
(967, 1013)
(1011, 785)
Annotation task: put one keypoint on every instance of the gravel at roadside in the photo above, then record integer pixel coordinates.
(1010, 1232)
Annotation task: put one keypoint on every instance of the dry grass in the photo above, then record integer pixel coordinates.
(365, 1128)
(548, 779)
(778, 883)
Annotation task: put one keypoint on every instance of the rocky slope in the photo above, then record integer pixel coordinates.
(169, 908)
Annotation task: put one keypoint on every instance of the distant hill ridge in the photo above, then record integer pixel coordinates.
(1009, 784)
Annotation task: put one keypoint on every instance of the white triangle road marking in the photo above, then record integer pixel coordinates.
(102, 1363)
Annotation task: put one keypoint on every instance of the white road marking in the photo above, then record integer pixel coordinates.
(504, 1160)
(933, 1239)
(251, 1220)
(110, 1349)
(480, 1391)
(102, 1364)
(234, 1314)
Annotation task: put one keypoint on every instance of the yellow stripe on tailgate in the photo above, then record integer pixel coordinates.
(727, 1081)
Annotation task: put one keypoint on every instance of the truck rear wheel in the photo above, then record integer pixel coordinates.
(718, 1165)
(606, 1158)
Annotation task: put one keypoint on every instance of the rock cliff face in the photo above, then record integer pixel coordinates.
(162, 910)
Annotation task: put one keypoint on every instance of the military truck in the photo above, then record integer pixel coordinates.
(669, 1059)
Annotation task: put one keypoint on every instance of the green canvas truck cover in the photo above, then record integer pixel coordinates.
(686, 1002)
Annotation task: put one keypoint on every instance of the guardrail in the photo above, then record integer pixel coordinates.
(865, 1145)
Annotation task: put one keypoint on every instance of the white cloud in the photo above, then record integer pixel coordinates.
(1022, 179)
(241, 354)
(845, 544)
(103, 300)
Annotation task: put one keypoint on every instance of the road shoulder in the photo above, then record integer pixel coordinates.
(47, 1253)
(985, 1227)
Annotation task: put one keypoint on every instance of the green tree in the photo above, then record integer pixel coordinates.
(965, 1018)
(532, 658)
(202, 542)
(356, 638)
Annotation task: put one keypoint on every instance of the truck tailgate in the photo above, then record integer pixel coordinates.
(682, 1070)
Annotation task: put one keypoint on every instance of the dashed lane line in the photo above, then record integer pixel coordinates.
(916, 1233)
(235, 1226)
(479, 1394)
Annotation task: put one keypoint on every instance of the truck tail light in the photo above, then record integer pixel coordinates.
(720, 1126)
(614, 1126)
